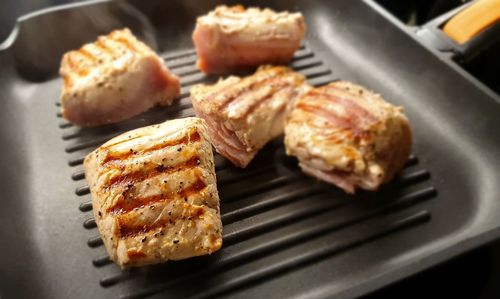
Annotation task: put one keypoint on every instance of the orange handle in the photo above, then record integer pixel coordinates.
(472, 20)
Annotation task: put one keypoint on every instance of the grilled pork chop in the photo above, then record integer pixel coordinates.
(154, 193)
(113, 79)
(243, 114)
(235, 38)
(348, 136)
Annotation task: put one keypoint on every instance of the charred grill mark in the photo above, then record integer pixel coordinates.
(125, 42)
(135, 254)
(89, 56)
(77, 62)
(196, 187)
(68, 81)
(100, 43)
(126, 205)
(139, 176)
(127, 230)
(69, 60)
(214, 240)
(191, 137)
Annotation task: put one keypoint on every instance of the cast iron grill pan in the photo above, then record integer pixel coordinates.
(276, 184)
(285, 235)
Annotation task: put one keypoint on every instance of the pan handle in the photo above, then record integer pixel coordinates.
(473, 20)
(465, 31)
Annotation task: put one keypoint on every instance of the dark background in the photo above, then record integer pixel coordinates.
(473, 275)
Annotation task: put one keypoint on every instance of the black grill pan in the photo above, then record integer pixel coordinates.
(285, 235)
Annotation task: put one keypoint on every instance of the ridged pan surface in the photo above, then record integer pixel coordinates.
(285, 234)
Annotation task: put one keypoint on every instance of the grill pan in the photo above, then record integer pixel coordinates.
(285, 235)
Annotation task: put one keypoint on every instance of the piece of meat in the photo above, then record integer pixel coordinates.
(348, 136)
(154, 193)
(243, 114)
(113, 79)
(235, 38)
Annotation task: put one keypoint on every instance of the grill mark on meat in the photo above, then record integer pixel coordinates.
(194, 188)
(332, 117)
(209, 96)
(139, 176)
(213, 239)
(124, 205)
(229, 96)
(347, 102)
(67, 81)
(71, 64)
(125, 42)
(135, 254)
(89, 56)
(257, 103)
(126, 230)
(356, 117)
(336, 136)
(191, 137)
(241, 88)
(251, 88)
(122, 141)
(100, 43)
(78, 62)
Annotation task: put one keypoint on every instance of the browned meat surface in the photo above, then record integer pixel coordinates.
(113, 79)
(235, 38)
(154, 193)
(348, 136)
(243, 114)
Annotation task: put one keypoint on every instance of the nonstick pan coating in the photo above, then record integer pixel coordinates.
(285, 234)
